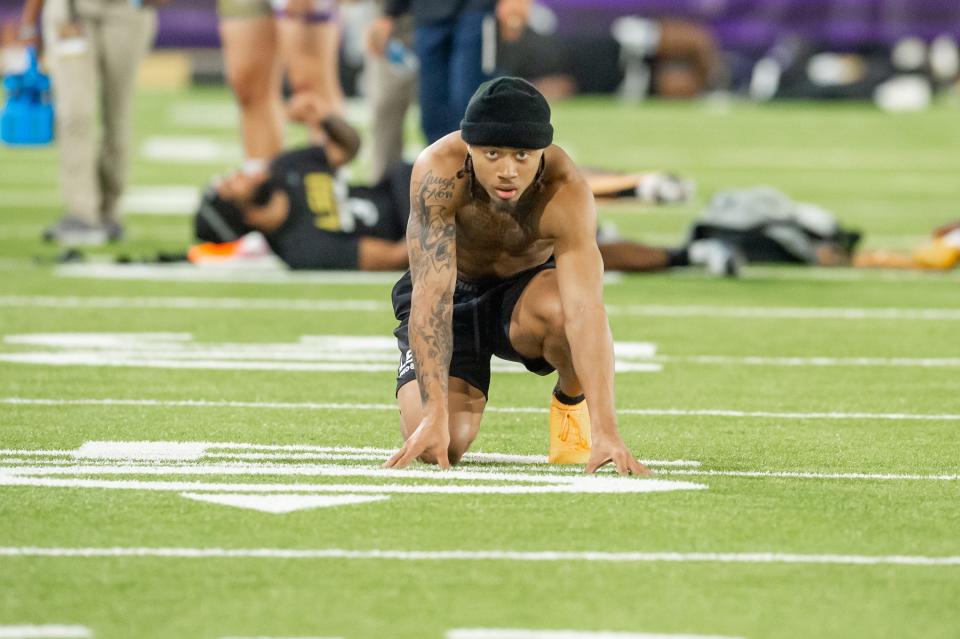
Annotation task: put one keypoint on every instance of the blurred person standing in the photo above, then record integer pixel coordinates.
(390, 86)
(262, 39)
(94, 48)
(450, 42)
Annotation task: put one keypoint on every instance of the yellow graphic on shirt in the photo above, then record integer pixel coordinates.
(321, 200)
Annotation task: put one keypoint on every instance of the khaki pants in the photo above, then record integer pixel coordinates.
(390, 90)
(93, 80)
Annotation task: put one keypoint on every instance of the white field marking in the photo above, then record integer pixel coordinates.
(192, 303)
(761, 312)
(487, 555)
(873, 362)
(366, 363)
(96, 359)
(485, 482)
(518, 633)
(283, 504)
(46, 631)
(500, 468)
(592, 485)
(327, 406)
(818, 274)
(141, 450)
(276, 274)
(238, 273)
(344, 353)
(98, 340)
(207, 115)
(643, 310)
(163, 451)
(161, 200)
(811, 475)
(541, 468)
(197, 150)
(521, 473)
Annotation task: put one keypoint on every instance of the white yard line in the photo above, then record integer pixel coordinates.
(23, 465)
(811, 475)
(641, 310)
(486, 555)
(520, 633)
(451, 482)
(188, 149)
(227, 274)
(770, 312)
(378, 362)
(233, 362)
(885, 362)
(48, 631)
(181, 200)
(651, 412)
(237, 274)
(818, 274)
(193, 303)
(9, 475)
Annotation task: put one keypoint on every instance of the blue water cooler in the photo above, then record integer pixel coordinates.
(27, 117)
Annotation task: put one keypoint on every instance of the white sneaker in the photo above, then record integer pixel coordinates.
(719, 258)
(72, 231)
(665, 188)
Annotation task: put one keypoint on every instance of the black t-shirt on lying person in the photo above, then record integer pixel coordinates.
(327, 218)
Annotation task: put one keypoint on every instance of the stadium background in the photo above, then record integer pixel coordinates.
(819, 406)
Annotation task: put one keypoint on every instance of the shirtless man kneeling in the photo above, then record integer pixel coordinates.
(503, 261)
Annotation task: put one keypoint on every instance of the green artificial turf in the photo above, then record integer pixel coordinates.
(868, 450)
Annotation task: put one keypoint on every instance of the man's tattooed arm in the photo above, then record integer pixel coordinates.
(431, 243)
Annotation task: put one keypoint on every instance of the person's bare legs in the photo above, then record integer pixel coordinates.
(466, 405)
(250, 55)
(632, 257)
(310, 53)
(537, 329)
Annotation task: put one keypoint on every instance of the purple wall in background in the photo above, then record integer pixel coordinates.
(748, 26)
(751, 26)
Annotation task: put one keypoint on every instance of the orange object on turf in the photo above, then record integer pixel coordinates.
(209, 252)
(569, 433)
(937, 254)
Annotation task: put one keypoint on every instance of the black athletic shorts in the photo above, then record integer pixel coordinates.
(481, 327)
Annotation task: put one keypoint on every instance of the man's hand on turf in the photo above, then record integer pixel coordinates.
(429, 442)
(607, 450)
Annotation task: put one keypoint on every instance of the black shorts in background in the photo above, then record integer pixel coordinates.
(481, 327)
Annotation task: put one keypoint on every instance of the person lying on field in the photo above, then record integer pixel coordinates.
(940, 252)
(312, 219)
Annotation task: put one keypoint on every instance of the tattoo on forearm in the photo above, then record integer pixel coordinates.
(430, 241)
(433, 349)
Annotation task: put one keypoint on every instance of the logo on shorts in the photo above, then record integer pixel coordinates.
(406, 364)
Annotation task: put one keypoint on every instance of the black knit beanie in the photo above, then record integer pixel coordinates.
(507, 112)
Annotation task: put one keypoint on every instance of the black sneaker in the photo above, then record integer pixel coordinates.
(115, 231)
